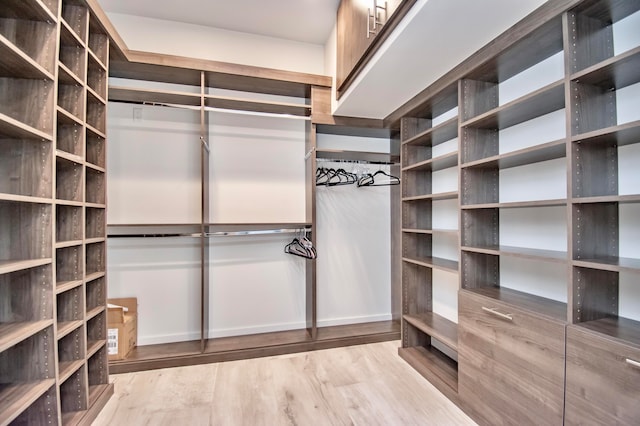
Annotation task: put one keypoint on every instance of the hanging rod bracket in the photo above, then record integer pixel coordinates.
(205, 144)
(308, 154)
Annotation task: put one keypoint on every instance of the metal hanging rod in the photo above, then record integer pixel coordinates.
(214, 234)
(339, 160)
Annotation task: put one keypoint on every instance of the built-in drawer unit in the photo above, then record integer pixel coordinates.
(510, 362)
(603, 376)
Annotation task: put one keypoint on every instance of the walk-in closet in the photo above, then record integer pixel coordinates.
(445, 194)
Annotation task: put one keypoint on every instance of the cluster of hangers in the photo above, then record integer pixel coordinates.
(334, 177)
(301, 246)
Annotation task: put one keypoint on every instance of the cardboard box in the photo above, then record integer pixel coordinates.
(122, 333)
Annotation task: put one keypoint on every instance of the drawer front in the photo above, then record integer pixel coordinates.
(510, 371)
(602, 386)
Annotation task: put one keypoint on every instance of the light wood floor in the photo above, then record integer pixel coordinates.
(358, 385)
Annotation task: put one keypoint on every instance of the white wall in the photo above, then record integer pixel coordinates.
(196, 41)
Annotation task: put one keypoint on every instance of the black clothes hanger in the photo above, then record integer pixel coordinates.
(301, 247)
(384, 179)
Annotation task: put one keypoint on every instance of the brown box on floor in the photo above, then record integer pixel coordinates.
(122, 327)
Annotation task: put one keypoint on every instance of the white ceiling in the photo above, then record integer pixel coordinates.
(434, 37)
(309, 21)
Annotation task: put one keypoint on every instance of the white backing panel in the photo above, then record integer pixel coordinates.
(628, 172)
(546, 128)
(541, 74)
(354, 260)
(546, 180)
(629, 224)
(445, 180)
(628, 103)
(445, 294)
(256, 169)
(543, 228)
(445, 246)
(254, 286)
(625, 34)
(152, 160)
(629, 296)
(544, 279)
(164, 274)
(445, 148)
(444, 214)
(453, 112)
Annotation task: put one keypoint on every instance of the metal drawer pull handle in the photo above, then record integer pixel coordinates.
(634, 363)
(508, 317)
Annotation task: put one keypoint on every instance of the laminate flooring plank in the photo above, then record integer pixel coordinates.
(356, 385)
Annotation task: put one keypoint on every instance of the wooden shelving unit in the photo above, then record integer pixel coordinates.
(43, 45)
(498, 378)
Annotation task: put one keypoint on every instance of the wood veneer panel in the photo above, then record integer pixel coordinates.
(521, 252)
(440, 370)
(436, 326)
(543, 152)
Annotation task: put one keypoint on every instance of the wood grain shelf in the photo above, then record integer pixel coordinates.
(438, 196)
(95, 131)
(621, 199)
(543, 101)
(66, 117)
(516, 204)
(96, 205)
(63, 286)
(544, 152)
(436, 367)
(620, 329)
(15, 63)
(69, 156)
(434, 263)
(94, 57)
(11, 128)
(67, 368)
(94, 276)
(69, 203)
(143, 96)
(95, 240)
(24, 199)
(66, 76)
(94, 312)
(528, 302)
(8, 266)
(521, 252)
(95, 167)
(15, 398)
(33, 10)
(431, 231)
(435, 135)
(241, 104)
(611, 263)
(93, 96)
(94, 346)
(621, 135)
(12, 333)
(436, 326)
(68, 36)
(434, 164)
(66, 327)
(65, 244)
(614, 73)
(370, 157)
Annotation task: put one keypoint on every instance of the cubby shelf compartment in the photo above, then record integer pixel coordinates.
(16, 398)
(67, 368)
(25, 167)
(96, 186)
(94, 275)
(97, 367)
(71, 353)
(76, 17)
(97, 329)
(435, 366)
(98, 43)
(70, 307)
(69, 136)
(71, 100)
(95, 150)
(64, 286)
(66, 76)
(17, 64)
(614, 73)
(543, 101)
(435, 135)
(68, 223)
(15, 332)
(19, 113)
(68, 180)
(433, 263)
(91, 130)
(97, 78)
(95, 258)
(25, 232)
(544, 152)
(32, 29)
(69, 264)
(94, 346)
(436, 326)
(96, 295)
(74, 396)
(14, 129)
(72, 54)
(33, 10)
(96, 112)
(434, 164)
(521, 252)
